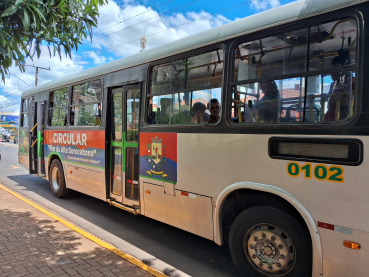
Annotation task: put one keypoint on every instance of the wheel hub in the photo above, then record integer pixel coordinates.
(55, 178)
(269, 250)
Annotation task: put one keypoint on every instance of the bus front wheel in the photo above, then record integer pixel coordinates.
(57, 180)
(266, 241)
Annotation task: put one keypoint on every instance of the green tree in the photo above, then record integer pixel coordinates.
(26, 25)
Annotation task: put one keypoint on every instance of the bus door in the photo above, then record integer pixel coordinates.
(125, 108)
(36, 138)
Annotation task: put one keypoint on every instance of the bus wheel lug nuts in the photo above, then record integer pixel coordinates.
(261, 264)
(255, 239)
(282, 256)
(270, 267)
(280, 246)
(278, 265)
(254, 256)
(273, 238)
(252, 246)
(263, 236)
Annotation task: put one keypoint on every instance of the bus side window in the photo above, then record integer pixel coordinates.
(58, 102)
(86, 104)
(184, 90)
(326, 97)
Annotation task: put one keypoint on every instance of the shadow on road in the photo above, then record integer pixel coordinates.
(189, 253)
(33, 246)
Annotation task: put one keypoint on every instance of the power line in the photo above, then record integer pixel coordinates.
(18, 78)
(10, 105)
(156, 32)
(129, 19)
(165, 30)
(179, 25)
(143, 21)
(2, 101)
(137, 23)
(151, 9)
(15, 101)
(16, 91)
(59, 64)
(168, 28)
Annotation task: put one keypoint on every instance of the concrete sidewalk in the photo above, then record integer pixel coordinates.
(33, 244)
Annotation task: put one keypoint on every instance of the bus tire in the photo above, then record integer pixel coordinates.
(266, 241)
(57, 180)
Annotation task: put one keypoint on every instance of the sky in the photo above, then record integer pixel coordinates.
(121, 23)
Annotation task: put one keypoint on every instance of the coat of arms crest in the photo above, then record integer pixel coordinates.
(157, 156)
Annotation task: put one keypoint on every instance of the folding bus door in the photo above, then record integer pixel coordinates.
(125, 108)
(40, 138)
(36, 138)
(32, 137)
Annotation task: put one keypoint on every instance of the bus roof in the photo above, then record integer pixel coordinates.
(267, 19)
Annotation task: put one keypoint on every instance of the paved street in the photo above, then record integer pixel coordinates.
(163, 247)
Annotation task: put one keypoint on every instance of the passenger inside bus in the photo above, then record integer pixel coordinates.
(71, 117)
(199, 116)
(214, 111)
(268, 104)
(98, 115)
(65, 118)
(340, 89)
(51, 104)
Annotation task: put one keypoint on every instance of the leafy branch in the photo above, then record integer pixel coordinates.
(26, 25)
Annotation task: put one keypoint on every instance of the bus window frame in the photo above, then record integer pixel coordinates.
(101, 78)
(48, 107)
(111, 93)
(357, 67)
(209, 48)
(24, 112)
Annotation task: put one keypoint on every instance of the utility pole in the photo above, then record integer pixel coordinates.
(37, 67)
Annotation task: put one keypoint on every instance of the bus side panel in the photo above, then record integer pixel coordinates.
(23, 148)
(208, 163)
(187, 211)
(24, 160)
(91, 182)
(82, 154)
(339, 261)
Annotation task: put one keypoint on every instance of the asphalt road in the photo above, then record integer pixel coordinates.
(174, 251)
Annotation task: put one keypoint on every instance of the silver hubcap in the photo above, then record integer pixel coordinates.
(269, 250)
(55, 178)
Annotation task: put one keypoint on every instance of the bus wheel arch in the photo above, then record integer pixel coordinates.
(57, 178)
(50, 160)
(241, 196)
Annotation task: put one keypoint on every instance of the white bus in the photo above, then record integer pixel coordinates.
(250, 134)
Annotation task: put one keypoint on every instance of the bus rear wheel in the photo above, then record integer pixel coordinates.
(57, 180)
(266, 241)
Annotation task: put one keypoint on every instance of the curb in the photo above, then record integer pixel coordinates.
(107, 246)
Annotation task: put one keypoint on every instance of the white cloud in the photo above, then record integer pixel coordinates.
(98, 59)
(12, 89)
(122, 43)
(265, 4)
(126, 42)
